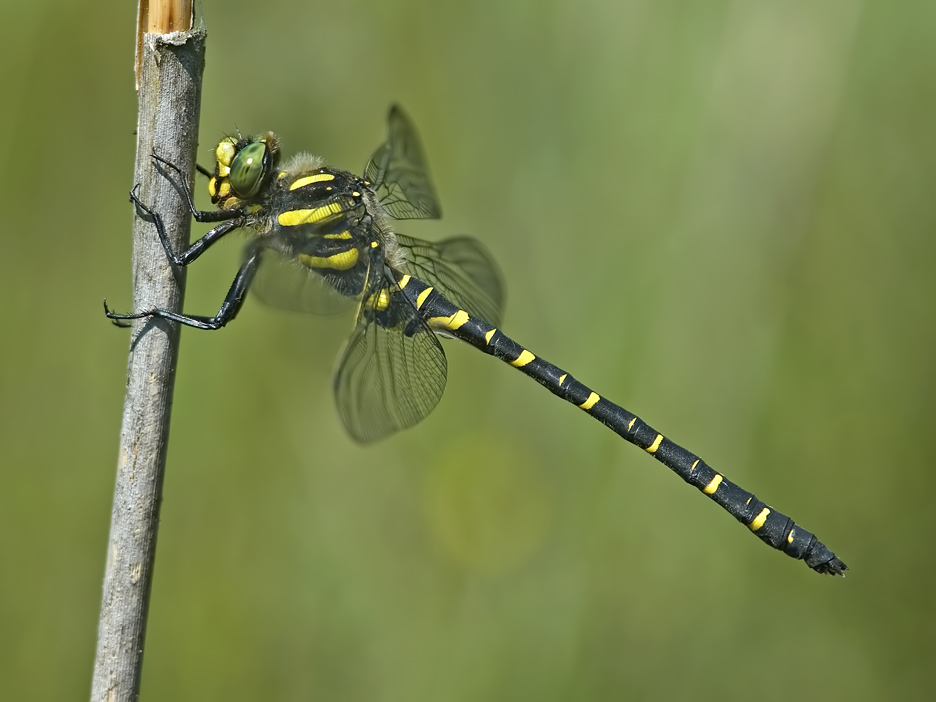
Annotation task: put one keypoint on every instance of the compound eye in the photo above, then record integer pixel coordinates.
(248, 169)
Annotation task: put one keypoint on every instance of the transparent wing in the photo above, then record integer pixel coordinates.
(399, 173)
(283, 282)
(392, 372)
(462, 270)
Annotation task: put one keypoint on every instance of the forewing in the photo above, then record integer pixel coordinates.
(462, 270)
(389, 378)
(399, 173)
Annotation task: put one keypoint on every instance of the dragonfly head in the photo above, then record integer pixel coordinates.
(242, 167)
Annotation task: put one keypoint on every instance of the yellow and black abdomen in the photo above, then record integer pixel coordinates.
(771, 526)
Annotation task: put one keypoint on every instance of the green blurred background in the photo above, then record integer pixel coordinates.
(719, 214)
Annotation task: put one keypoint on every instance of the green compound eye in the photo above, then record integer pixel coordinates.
(249, 169)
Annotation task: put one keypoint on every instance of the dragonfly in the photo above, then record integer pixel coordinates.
(322, 238)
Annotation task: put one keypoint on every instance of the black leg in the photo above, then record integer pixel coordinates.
(229, 308)
(197, 214)
(235, 220)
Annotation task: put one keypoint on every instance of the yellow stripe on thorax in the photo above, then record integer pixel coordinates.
(308, 180)
(380, 302)
(294, 218)
(341, 261)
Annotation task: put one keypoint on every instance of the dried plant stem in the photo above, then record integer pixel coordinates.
(169, 98)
